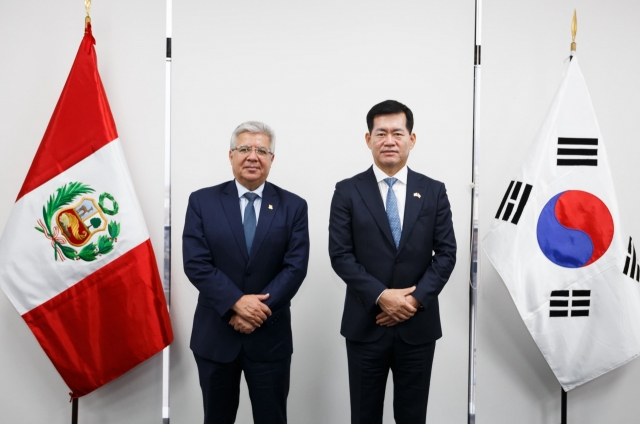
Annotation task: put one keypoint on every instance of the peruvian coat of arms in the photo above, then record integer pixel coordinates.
(73, 222)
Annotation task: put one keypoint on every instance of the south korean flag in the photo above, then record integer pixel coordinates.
(558, 244)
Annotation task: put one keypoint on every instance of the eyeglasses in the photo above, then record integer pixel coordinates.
(260, 151)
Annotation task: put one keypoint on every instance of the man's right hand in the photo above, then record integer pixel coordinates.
(393, 302)
(239, 324)
(251, 308)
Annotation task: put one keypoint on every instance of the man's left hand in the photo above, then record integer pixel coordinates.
(242, 325)
(386, 321)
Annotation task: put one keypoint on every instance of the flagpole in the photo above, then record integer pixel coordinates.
(574, 31)
(473, 272)
(563, 408)
(74, 411)
(74, 400)
(167, 214)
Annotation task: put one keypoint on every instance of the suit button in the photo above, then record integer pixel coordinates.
(248, 273)
(397, 261)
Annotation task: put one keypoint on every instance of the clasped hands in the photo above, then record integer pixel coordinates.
(250, 313)
(397, 305)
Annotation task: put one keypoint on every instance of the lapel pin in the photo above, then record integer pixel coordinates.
(271, 207)
(416, 194)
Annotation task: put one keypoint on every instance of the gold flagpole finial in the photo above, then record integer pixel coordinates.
(574, 30)
(87, 7)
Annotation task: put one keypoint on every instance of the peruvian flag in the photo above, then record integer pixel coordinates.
(75, 257)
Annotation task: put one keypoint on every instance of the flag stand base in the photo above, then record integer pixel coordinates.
(74, 411)
(563, 408)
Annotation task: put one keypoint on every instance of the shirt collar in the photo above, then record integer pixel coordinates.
(401, 175)
(242, 189)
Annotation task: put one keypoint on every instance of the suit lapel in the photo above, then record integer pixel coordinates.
(231, 205)
(268, 209)
(370, 192)
(413, 204)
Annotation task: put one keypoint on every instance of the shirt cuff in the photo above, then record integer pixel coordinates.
(380, 295)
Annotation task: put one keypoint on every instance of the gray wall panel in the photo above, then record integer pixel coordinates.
(312, 71)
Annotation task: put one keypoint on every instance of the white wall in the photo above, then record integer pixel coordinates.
(39, 42)
(312, 70)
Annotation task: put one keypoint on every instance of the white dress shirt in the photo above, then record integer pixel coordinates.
(399, 188)
(244, 201)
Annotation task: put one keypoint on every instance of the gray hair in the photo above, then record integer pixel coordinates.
(254, 127)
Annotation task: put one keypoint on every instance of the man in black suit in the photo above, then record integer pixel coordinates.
(391, 240)
(246, 249)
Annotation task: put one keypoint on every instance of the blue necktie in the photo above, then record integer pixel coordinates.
(249, 223)
(392, 211)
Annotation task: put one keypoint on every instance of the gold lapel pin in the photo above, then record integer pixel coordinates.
(416, 194)
(271, 207)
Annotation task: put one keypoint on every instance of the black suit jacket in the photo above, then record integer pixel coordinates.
(217, 262)
(364, 254)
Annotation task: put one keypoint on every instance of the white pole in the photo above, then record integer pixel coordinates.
(167, 212)
(473, 272)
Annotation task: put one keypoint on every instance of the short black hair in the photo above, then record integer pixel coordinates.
(390, 107)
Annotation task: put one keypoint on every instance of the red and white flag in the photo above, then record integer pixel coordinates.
(75, 256)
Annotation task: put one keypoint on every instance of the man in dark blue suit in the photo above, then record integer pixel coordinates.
(246, 249)
(391, 240)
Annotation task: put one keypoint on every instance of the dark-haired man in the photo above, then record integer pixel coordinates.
(391, 240)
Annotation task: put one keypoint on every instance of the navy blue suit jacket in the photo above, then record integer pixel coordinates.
(217, 262)
(364, 254)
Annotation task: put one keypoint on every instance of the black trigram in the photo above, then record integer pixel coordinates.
(575, 301)
(577, 151)
(631, 267)
(512, 199)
